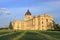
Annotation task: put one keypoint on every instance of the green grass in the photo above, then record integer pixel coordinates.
(29, 35)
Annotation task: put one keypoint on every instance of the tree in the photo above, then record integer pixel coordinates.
(56, 26)
(10, 25)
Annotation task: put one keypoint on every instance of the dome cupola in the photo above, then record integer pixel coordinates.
(28, 12)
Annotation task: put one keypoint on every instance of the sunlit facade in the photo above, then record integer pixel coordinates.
(40, 22)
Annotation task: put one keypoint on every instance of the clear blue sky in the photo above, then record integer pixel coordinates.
(16, 9)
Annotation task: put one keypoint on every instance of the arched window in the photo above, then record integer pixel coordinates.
(42, 22)
(42, 26)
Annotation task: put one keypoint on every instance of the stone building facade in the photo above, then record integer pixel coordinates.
(40, 22)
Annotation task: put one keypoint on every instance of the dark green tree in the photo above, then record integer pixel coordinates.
(10, 25)
(56, 26)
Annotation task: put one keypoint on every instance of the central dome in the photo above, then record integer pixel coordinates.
(28, 12)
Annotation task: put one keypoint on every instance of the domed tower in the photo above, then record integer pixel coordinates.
(28, 16)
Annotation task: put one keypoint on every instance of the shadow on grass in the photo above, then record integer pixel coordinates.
(9, 37)
(54, 34)
(32, 36)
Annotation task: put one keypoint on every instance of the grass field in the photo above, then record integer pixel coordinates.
(29, 35)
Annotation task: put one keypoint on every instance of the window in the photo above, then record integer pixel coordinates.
(42, 18)
(28, 17)
(42, 22)
(18, 26)
(46, 20)
(42, 26)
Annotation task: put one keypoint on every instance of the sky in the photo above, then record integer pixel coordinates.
(15, 9)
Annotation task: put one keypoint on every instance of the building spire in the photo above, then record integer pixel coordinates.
(28, 12)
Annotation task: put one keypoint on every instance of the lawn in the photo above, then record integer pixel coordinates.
(29, 35)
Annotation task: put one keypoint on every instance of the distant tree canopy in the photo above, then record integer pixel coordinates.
(56, 26)
(3, 28)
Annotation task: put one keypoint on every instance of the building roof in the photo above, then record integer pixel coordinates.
(28, 12)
